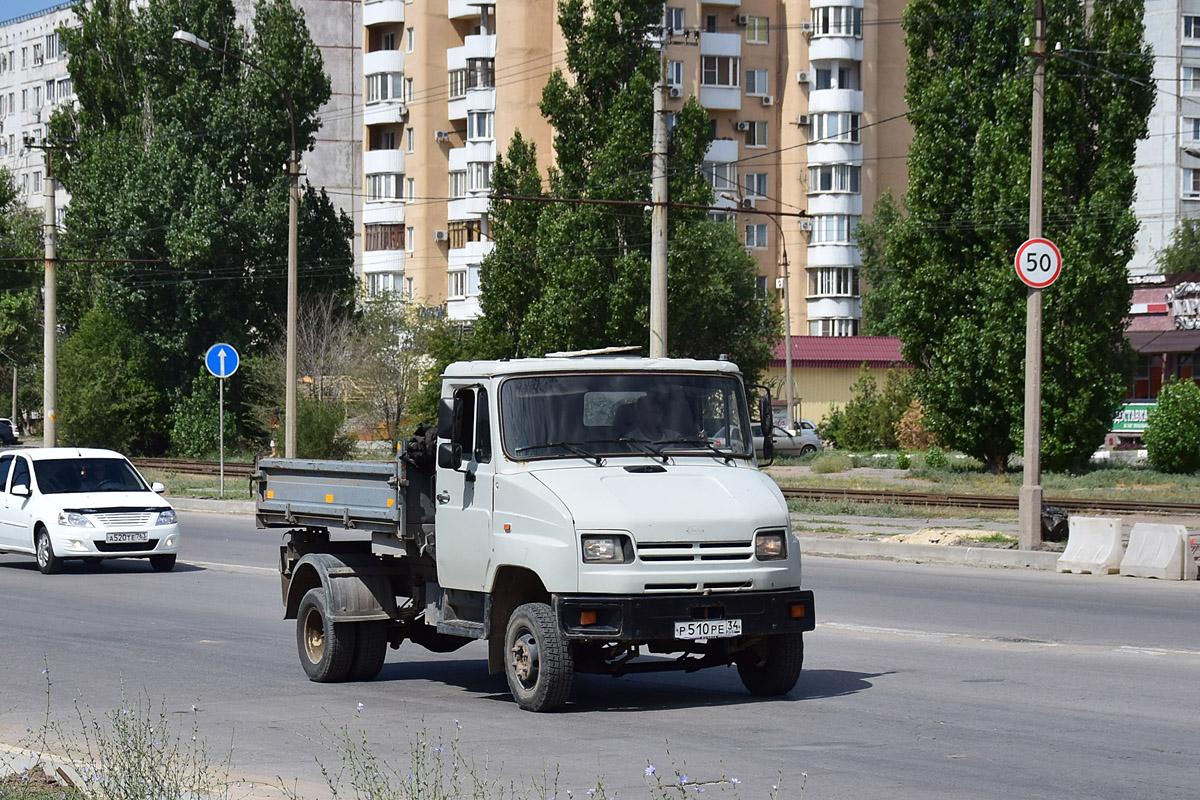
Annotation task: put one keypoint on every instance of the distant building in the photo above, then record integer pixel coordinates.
(824, 368)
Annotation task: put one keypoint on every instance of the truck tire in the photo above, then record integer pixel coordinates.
(326, 648)
(538, 661)
(370, 650)
(773, 669)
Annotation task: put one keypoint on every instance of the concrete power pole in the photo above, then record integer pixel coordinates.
(658, 217)
(50, 314)
(1030, 504)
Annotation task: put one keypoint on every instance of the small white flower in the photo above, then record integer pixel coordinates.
(361, 706)
(650, 770)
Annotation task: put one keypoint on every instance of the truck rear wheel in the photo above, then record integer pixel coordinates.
(326, 648)
(538, 664)
(370, 650)
(773, 668)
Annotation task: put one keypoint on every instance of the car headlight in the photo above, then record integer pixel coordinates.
(605, 549)
(167, 517)
(769, 546)
(73, 519)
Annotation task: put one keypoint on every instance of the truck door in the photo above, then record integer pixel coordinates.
(464, 495)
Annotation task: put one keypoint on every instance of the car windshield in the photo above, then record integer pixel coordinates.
(589, 415)
(67, 475)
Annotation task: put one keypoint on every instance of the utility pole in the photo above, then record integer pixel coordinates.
(50, 297)
(658, 214)
(1030, 503)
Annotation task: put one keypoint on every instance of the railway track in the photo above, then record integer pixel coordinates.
(972, 501)
(984, 501)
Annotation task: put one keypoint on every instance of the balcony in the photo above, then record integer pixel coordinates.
(462, 9)
(383, 61)
(833, 255)
(821, 101)
(834, 48)
(479, 46)
(834, 203)
(721, 98)
(385, 112)
(383, 261)
(468, 208)
(833, 152)
(835, 308)
(722, 151)
(377, 161)
(378, 12)
(724, 3)
(473, 253)
(383, 211)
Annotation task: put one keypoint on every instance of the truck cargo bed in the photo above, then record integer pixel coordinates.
(355, 495)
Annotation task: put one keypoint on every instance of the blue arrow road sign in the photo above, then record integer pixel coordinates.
(221, 360)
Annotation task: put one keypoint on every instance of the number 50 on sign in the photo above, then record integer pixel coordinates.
(1038, 263)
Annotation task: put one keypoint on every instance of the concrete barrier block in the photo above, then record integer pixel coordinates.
(1093, 546)
(1158, 551)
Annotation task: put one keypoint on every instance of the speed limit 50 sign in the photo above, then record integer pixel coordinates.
(1038, 263)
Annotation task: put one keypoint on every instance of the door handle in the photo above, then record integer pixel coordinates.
(443, 497)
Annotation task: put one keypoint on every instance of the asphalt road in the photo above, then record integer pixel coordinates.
(920, 682)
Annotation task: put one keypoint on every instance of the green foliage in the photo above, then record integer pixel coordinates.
(957, 306)
(1173, 429)
(179, 158)
(903, 461)
(195, 420)
(574, 276)
(870, 418)
(831, 462)
(20, 323)
(1183, 253)
(106, 395)
(319, 429)
(871, 235)
(935, 458)
(444, 345)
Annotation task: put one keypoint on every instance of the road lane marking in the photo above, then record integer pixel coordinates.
(230, 567)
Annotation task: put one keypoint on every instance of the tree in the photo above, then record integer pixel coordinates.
(177, 173)
(959, 309)
(567, 276)
(106, 394)
(1183, 253)
(20, 324)
(872, 235)
(1173, 428)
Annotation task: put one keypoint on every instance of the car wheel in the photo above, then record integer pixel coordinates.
(808, 448)
(163, 563)
(47, 562)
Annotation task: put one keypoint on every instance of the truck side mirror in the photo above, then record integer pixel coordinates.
(446, 418)
(767, 424)
(450, 456)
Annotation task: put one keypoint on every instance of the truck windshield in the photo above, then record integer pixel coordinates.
(589, 415)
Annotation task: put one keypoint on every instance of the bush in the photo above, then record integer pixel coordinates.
(831, 462)
(1172, 434)
(870, 418)
(935, 458)
(903, 461)
(195, 427)
(911, 433)
(319, 429)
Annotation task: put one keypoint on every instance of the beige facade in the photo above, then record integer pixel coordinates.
(788, 85)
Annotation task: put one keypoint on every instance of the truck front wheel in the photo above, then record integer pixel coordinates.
(326, 648)
(538, 661)
(773, 667)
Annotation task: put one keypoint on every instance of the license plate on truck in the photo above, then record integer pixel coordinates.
(708, 629)
(124, 538)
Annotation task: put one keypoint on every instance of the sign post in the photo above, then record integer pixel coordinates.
(222, 361)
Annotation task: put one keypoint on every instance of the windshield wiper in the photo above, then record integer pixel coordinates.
(646, 447)
(703, 443)
(570, 447)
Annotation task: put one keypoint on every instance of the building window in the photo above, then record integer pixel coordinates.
(52, 47)
(674, 20)
(408, 90)
(833, 327)
(834, 127)
(1191, 129)
(757, 30)
(383, 140)
(410, 139)
(50, 85)
(1191, 79)
(24, 57)
(410, 185)
(834, 178)
(720, 70)
(64, 89)
(458, 184)
(410, 239)
(756, 235)
(458, 83)
(1191, 26)
(722, 175)
(24, 99)
(381, 283)
(384, 86)
(37, 181)
(456, 288)
(410, 39)
(756, 184)
(462, 232)
(756, 81)
(37, 55)
(757, 135)
(481, 73)
(1191, 184)
(837, 21)
(37, 97)
(481, 125)
(833, 281)
(833, 228)
(479, 176)
(387, 41)
(675, 73)
(383, 236)
(384, 186)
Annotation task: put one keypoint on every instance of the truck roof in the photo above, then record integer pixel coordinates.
(521, 366)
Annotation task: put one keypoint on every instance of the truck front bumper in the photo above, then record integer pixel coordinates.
(639, 618)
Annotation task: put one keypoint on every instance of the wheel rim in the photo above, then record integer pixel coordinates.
(524, 660)
(314, 637)
(43, 551)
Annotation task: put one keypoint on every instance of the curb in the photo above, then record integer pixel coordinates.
(210, 506)
(930, 553)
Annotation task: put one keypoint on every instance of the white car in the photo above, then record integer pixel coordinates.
(65, 502)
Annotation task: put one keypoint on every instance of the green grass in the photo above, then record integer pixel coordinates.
(208, 486)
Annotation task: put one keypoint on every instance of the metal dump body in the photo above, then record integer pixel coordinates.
(363, 496)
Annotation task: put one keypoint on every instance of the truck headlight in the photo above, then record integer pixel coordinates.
(73, 519)
(605, 549)
(769, 546)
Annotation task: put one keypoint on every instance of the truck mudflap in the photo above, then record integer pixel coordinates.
(658, 617)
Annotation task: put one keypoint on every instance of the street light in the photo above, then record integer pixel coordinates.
(289, 413)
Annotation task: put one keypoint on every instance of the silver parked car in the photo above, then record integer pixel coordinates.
(789, 443)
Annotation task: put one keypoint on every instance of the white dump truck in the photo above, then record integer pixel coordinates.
(599, 515)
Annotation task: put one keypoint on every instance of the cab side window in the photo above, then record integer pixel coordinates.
(6, 463)
(472, 427)
(20, 474)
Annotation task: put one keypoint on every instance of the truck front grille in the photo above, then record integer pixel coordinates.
(682, 552)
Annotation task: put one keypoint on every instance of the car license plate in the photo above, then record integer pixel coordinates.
(122, 538)
(708, 629)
